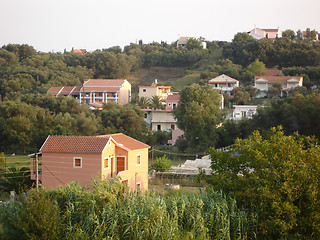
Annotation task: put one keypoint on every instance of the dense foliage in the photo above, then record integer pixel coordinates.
(278, 178)
(109, 211)
(198, 113)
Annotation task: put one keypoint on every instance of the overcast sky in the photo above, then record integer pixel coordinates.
(56, 25)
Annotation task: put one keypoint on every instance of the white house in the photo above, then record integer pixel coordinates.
(287, 83)
(243, 111)
(224, 84)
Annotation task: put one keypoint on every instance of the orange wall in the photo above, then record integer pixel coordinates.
(57, 169)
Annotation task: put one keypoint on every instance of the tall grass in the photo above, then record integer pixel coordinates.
(107, 210)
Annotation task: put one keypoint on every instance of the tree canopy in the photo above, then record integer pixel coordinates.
(198, 114)
(277, 178)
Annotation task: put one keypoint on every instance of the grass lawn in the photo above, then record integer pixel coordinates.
(17, 161)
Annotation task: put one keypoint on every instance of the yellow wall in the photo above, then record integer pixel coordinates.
(151, 91)
(137, 173)
(124, 93)
(108, 152)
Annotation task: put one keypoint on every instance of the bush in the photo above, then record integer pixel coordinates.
(161, 164)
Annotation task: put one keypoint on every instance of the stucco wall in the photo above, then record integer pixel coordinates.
(58, 169)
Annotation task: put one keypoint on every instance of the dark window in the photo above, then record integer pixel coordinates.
(159, 127)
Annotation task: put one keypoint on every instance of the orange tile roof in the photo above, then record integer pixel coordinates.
(100, 89)
(126, 141)
(96, 104)
(54, 90)
(66, 90)
(104, 82)
(271, 30)
(74, 144)
(76, 90)
(277, 79)
(173, 97)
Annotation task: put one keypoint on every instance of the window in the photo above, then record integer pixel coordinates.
(172, 127)
(138, 187)
(106, 163)
(100, 94)
(159, 127)
(138, 159)
(144, 90)
(215, 85)
(244, 114)
(174, 105)
(169, 104)
(77, 162)
(145, 115)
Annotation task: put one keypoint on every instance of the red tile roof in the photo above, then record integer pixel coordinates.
(126, 141)
(76, 90)
(277, 79)
(100, 89)
(54, 90)
(271, 30)
(74, 144)
(104, 82)
(173, 97)
(66, 90)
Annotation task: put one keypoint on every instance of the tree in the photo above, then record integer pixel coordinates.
(278, 178)
(156, 102)
(198, 115)
(144, 102)
(257, 67)
(289, 34)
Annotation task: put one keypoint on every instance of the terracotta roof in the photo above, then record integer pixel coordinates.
(96, 104)
(100, 89)
(76, 90)
(66, 91)
(277, 79)
(271, 72)
(304, 33)
(271, 30)
(74, 144)
(126, 141)
(183, 40)
(173, 97)
(78, 51)
(103, 82)
(54, 90)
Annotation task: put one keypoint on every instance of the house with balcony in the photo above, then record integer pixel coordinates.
(97, 91)
(287, 83)
(163, 120)
(81, 159)
(225, 84)
(155, 90)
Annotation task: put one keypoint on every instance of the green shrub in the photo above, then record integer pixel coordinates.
(161, 164)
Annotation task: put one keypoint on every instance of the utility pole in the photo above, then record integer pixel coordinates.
(37, 172)
(152, 154)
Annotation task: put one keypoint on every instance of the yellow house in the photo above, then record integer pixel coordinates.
(83, 158)
(97, 91)
(154, 90)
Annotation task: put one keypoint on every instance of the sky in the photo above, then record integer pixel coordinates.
(56, 25)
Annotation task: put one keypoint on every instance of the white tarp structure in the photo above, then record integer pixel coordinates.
(191, 167)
